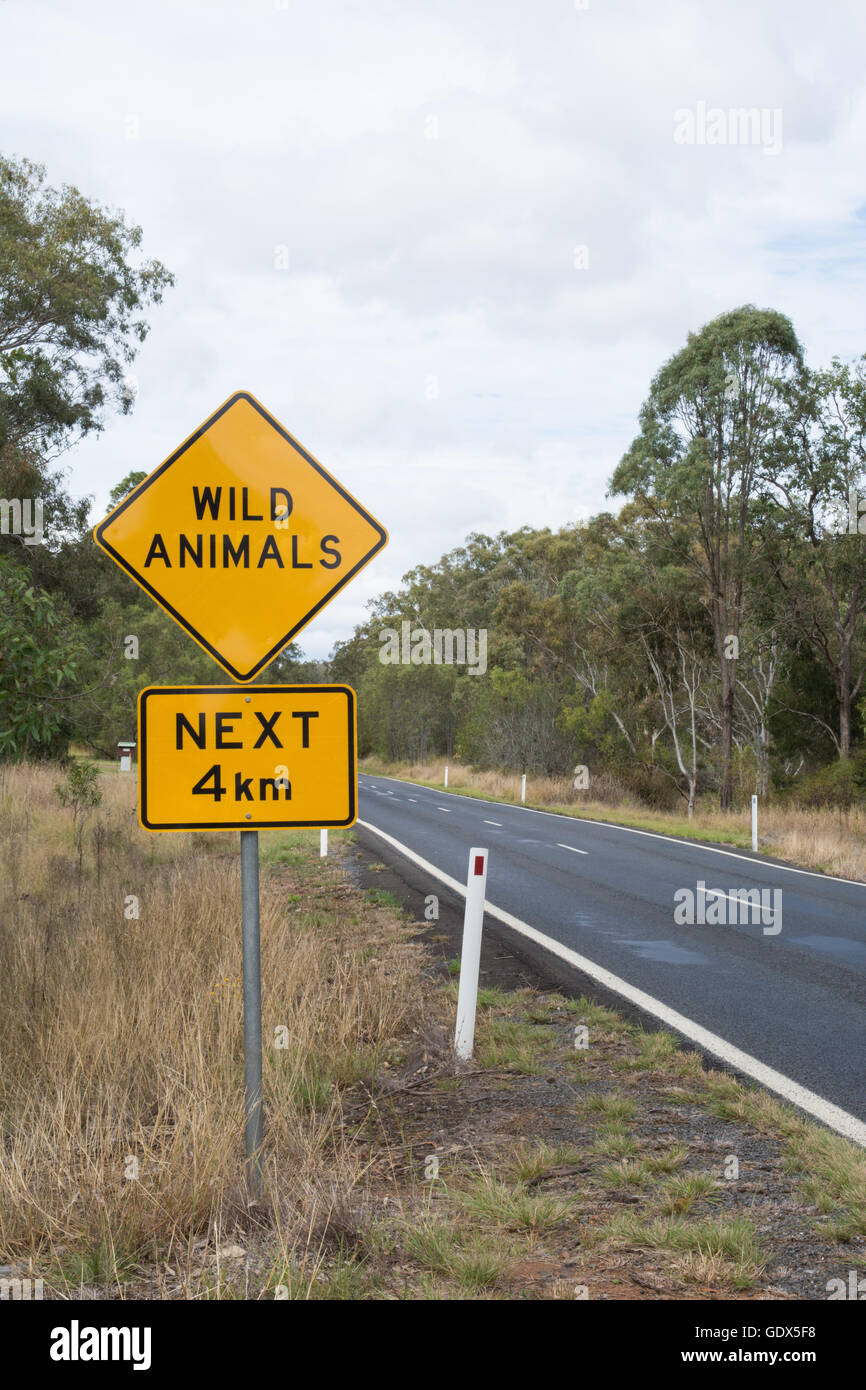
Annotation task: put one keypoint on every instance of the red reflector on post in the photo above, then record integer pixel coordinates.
(479, 865)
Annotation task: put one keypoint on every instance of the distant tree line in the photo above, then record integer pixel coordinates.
(709, 637)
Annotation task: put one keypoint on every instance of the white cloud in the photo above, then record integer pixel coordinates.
(411, 258)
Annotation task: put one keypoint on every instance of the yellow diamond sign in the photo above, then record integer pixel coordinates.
(241, 536)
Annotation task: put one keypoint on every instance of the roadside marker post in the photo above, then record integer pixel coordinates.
(470, 957)
(523, 788)
(242, 537)
(754, 824)
(446, 775)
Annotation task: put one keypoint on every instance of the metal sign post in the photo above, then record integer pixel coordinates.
(254, 1125)
(286, 752)
(242, 537)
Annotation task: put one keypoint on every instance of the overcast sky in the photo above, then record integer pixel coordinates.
(439, 341)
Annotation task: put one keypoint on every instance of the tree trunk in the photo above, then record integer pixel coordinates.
(726, 791)
(728, 671)
(845, 702)
(764, 763)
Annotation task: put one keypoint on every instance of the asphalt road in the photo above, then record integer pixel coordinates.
(794, 1000)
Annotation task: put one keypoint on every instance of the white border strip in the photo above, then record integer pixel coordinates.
(632, 830)
(830, 1115)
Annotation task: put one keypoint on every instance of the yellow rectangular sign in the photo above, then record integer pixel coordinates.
(254, 758)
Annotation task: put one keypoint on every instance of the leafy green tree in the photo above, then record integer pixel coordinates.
(405, 712)
(817, 464)
(60, 562)
(707, 428)
(132, 643)
(81, 791)
(291, 667)
(512, 722)
(43, 652)
(126, 485)
(73, 292)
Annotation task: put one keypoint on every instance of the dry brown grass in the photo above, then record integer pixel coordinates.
(121, 1039)
(814, 839)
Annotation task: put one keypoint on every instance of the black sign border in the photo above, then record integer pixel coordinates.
(233, 690)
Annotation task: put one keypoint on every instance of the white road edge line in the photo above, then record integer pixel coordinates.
(824, 1110)
(652, 834)
(573, 849)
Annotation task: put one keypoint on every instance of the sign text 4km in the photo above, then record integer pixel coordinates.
(224, 758)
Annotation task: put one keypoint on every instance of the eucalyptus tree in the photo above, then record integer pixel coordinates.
(73, 293)
(709, 420)
(817, 474)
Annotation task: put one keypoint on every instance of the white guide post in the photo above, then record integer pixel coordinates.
(470, 958)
